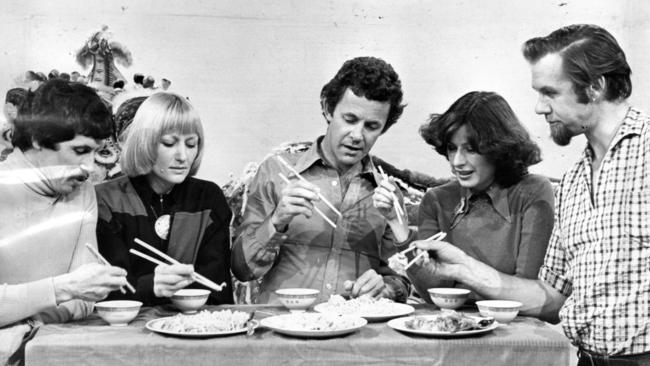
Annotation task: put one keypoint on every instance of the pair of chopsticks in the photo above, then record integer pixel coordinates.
(328, 203)
(439, 236)
(105, 262)
(195, 276)
(318, 211)
(396, 204)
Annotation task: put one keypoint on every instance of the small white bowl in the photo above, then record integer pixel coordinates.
(502, 311)
(297, 299)
(118, 312)
(448, 298)
(189, 300)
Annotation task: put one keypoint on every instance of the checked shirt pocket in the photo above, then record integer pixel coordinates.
(638, 217)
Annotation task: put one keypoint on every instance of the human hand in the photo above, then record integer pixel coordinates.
(384, 200)
(170, 278)
(89, 282)
(297, 199)
(443, 259)
(369, 283)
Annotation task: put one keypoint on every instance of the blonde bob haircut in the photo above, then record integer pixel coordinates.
(160, 114)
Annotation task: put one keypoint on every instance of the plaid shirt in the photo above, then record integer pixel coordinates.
(599, 253)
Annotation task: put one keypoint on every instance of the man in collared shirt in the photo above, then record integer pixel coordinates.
(595, 274)
(282, 238)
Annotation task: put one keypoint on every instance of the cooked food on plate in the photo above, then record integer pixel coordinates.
(451, 322)
(363, 304)
(206, 322)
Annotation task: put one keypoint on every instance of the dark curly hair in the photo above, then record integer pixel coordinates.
(58, 111)
(493, 130)
(588, 52)
(368, 77)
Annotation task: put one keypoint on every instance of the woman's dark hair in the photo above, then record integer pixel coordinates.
(493, 130)
(58, 111)
(588, 52)
(368, 77)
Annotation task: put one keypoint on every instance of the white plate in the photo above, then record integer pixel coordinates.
(393, 310)
(293, 324)
(155, 325)
(398, 324)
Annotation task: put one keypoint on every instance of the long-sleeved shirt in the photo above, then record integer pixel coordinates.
(310, 253)
(199, 232)
(42, 235)
(599, 252)
(505, 228)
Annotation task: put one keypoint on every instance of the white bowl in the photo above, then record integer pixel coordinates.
(189, 300)
(297, 299)
(118, 312)
(448, 298)
(502, 311)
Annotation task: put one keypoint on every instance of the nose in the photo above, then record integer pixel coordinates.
(542, 106)
(458, 158)
(357, 132)
(181, 153)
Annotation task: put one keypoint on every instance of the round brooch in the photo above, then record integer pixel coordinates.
(162, 226)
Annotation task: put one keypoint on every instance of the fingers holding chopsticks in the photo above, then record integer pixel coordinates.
(169, 278)
(298, 198)
(386, 201)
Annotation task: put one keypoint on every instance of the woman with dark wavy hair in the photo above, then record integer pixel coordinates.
(495, 211)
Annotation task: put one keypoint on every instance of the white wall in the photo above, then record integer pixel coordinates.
(254, 69)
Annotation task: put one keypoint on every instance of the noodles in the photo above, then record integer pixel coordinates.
(363, 304)
(206, 322)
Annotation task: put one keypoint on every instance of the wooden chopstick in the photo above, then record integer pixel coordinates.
(438, 236)
(206, 282)
(196, 276)
(396, 203)
(327, 219)
(414, 259)
(105, 262)
(295, 172)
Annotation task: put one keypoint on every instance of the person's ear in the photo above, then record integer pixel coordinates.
(596, 90)
(324, 111)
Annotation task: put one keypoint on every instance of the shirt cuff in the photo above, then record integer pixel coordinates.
(555, 280)
(406, 242)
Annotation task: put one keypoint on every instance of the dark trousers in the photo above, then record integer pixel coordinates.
(591, 359)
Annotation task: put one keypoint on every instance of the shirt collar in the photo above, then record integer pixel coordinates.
(631, 125)
(314, 155)
(498, 200)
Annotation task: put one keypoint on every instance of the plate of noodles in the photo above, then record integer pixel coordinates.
(365, 307)
(445, 324)
(203, 324)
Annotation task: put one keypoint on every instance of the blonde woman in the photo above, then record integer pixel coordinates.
(158, 201)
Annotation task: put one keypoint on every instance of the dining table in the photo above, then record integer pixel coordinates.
(524, 341)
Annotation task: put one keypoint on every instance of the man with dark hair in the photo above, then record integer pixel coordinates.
(595, 273)
(48, 211)
(284, 242)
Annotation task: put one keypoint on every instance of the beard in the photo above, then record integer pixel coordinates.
(561, 134)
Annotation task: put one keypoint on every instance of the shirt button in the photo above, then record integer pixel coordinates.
(284, 237)
(335, 183)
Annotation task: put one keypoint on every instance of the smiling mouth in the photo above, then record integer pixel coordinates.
(464, 174)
